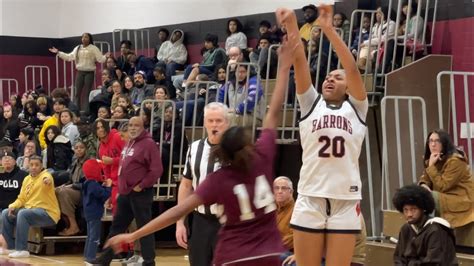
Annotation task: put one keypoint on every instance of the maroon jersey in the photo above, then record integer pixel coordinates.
(249, 230)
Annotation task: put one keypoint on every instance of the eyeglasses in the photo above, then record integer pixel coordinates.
(435, 141)
(283, 188)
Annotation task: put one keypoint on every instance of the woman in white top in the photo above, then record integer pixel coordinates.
(326, 217)
(85, 56)
(236, 37)
(382, 31)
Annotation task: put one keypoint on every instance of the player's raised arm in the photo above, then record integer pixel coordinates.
(355, 85)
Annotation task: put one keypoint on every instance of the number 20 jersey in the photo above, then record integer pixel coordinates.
(331, 138)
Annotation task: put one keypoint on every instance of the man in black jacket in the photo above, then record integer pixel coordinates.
(422, 240)
(11, 179)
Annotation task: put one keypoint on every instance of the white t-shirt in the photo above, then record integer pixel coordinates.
(331, 138)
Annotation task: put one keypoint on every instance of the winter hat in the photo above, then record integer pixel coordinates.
(9, 154)
(140, 72)
(92, 170)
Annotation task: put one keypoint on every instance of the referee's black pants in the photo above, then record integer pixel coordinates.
(203, 239)
(136, 205)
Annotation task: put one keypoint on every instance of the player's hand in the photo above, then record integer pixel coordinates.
(116, 242)
(434, 157)
(181, 235)
(289, 260)
(325, 18)
(286, 18)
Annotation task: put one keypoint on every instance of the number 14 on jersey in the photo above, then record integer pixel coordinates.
(263, 198)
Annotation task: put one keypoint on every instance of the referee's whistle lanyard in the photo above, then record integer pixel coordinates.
(127, 150)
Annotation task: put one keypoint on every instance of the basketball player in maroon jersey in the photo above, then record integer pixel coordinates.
(249, 235)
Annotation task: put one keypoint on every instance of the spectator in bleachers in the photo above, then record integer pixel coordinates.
(126, 102)
(141, 89)
(12, 127)
(119, 113)
(283, 193)
(117, 90)
(45, 110)
(235, 35)
(69, 194)
(413, 26)
(29, 117)
(212, 57)
(310, 14)
(128, 85)
(95, 191)
(423, 240)
(382, 32)
(2, 123)
(163, 35)
(265, 27)
(58, 153)
(68, 129)
(110, 149)
(31, 148)
(448, 177)
(219, 78)
(162, 80)
(61, 93)
(26, 134)
(36, 205)
(341, 22)
(16, 104)
(260, 57)
(10, 181)
(122, 61)
(245, 101)
(104, 112)
(85, 56)
(59, 105)
(359, 35)
(161, 94)
(143, 64)
(114, 70)
(173, 54)
(103, 87)
(318, 61)
(194, 97)
(235, 56)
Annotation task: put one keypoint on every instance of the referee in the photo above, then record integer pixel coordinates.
(199, 163)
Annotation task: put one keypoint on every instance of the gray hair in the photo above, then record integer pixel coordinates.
(218, 106)
(290, 183)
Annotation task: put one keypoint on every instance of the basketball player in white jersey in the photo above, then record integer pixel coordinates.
(332, 128)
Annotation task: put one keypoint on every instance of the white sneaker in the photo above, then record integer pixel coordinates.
(135, 260)
(19, 254)
(4, 251)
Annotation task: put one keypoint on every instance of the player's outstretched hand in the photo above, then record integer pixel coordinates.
(325, 18)
(181, 235)
(286, 18)
(116, 241)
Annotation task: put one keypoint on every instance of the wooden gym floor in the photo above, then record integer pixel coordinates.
(168, 257)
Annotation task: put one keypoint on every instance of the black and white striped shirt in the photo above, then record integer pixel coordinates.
(200, 163)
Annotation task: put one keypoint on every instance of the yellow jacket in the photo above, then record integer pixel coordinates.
(283, 215)
(35, 193)
(52, 121)
(453, 180)
(305, 30)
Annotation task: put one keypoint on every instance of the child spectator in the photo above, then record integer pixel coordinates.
(59, 152)
(236, 38)
(94, 196)
(117, 90)
(68, 129)
(360, 35)
(26, 134)
(173, 54)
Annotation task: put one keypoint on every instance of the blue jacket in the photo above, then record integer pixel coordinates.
(94, 196)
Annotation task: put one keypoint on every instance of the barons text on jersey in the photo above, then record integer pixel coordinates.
(332, 121)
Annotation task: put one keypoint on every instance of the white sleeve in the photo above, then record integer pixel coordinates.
(68, 57)
(361, 107)
(306, 100)
(99, 57)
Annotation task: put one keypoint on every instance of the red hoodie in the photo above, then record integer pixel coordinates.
(111, 147)
(140, 164)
